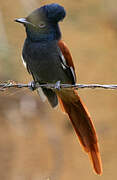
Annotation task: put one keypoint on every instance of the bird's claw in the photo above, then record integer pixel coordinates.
(58, 85)
(32, 85)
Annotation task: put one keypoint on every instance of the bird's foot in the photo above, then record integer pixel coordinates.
(32, 85)
(58, 85)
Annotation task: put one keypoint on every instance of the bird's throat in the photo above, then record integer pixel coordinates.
(53, 33)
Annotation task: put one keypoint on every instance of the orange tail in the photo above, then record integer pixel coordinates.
(82, 124)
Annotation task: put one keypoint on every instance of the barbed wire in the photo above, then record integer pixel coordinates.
(13, 84)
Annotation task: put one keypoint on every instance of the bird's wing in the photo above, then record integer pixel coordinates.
(67, 58)
(66, 54)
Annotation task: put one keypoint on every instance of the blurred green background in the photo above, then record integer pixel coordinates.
(37, 142)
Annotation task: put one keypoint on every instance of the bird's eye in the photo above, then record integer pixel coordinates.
(42, 25)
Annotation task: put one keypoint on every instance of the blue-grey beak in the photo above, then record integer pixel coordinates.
(23, 21)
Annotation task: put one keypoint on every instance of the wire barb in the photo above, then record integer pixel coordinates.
(13, 84)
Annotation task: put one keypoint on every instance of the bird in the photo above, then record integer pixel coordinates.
(49, 61)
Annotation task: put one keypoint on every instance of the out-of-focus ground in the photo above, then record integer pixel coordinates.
(37, 142)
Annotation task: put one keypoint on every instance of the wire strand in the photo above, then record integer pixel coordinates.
(13, 84)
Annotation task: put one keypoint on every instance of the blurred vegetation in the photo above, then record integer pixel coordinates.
(36, 141)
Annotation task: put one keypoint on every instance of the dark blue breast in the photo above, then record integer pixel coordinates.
(43, 60)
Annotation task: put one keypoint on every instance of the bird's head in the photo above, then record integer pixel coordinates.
(42, 23)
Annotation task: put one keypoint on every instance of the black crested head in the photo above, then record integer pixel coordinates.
(51, 12)
(42, 23)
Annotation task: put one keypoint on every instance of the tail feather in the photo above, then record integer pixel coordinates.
(96, 160)
(82, 124)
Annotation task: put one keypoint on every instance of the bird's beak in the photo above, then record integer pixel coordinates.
(23, 21)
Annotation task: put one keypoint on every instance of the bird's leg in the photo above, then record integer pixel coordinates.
(32, 85)
(57, 85)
